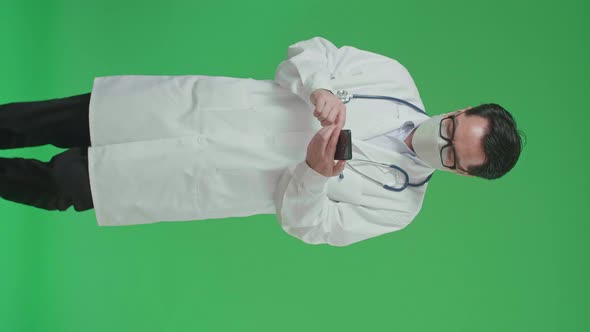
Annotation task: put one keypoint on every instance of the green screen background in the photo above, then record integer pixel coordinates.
(504, 255)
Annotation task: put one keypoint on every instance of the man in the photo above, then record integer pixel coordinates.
(179, 148)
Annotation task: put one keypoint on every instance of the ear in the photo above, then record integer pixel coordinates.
(465, 109)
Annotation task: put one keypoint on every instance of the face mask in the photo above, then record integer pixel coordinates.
(427, 142)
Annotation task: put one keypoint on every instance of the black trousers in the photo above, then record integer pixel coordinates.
(61, 182)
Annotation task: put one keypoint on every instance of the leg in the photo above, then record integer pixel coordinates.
(54, 185)
(61, 122)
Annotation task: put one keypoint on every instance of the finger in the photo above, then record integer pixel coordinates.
(340, 122)
(332, 114)
(342, 118)
(338, 167)
(322, 132)
(322, 115)
(327, 122)
(329, 108)
(318, 108)
(327, 132)
(331, 148)
(327, 137)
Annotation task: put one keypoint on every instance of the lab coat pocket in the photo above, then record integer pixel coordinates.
(224, 105)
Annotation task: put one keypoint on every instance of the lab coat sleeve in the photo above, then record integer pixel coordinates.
(305, 212)
(308, 67)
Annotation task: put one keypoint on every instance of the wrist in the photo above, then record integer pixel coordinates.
(311, 179)
(313, 95)
(322, 89)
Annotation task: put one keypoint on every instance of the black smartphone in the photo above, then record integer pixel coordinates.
(344, 146)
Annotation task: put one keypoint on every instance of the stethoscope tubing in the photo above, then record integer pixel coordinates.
(416, 108)
(390, 188)
(346, 97)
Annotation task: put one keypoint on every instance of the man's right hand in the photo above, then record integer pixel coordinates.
(329, 109)
(321, 150)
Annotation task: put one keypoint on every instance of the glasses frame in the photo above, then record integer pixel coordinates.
(450, 142)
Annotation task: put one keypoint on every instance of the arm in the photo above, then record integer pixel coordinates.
(311, 64)
(305, 212)
(308, 67)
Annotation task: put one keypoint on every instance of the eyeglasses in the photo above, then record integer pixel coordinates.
(447, 132)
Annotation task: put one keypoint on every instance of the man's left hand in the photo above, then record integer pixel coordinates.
(329, 109)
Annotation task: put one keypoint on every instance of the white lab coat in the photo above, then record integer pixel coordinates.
(180, 148)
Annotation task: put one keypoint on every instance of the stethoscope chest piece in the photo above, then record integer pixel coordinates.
(344, 96)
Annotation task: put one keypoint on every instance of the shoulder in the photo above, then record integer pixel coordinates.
(371, 57)
(354, 54)
(388, 71)
(374, 67)
(376, 64)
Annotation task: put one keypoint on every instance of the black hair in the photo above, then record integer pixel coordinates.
(501, 143)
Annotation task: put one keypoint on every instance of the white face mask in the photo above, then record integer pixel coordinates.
(427, 142)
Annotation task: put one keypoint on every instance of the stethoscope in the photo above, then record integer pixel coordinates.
(346, 97)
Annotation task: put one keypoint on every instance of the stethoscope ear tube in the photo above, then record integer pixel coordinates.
(346, 97)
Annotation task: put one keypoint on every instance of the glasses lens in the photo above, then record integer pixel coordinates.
(447, 128)
(447, 156)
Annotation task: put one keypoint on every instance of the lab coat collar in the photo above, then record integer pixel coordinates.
(368, 127)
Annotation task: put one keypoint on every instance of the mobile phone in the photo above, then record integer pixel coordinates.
(344, 146)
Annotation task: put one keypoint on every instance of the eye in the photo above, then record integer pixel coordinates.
(447, 127)
(451, 156)
(448, 156)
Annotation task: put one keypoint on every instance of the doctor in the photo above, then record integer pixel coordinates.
(181, 148)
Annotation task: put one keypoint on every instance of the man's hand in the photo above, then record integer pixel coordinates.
(329, 109)
(321, 150)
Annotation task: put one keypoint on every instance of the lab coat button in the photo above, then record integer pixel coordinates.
(332, 77)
